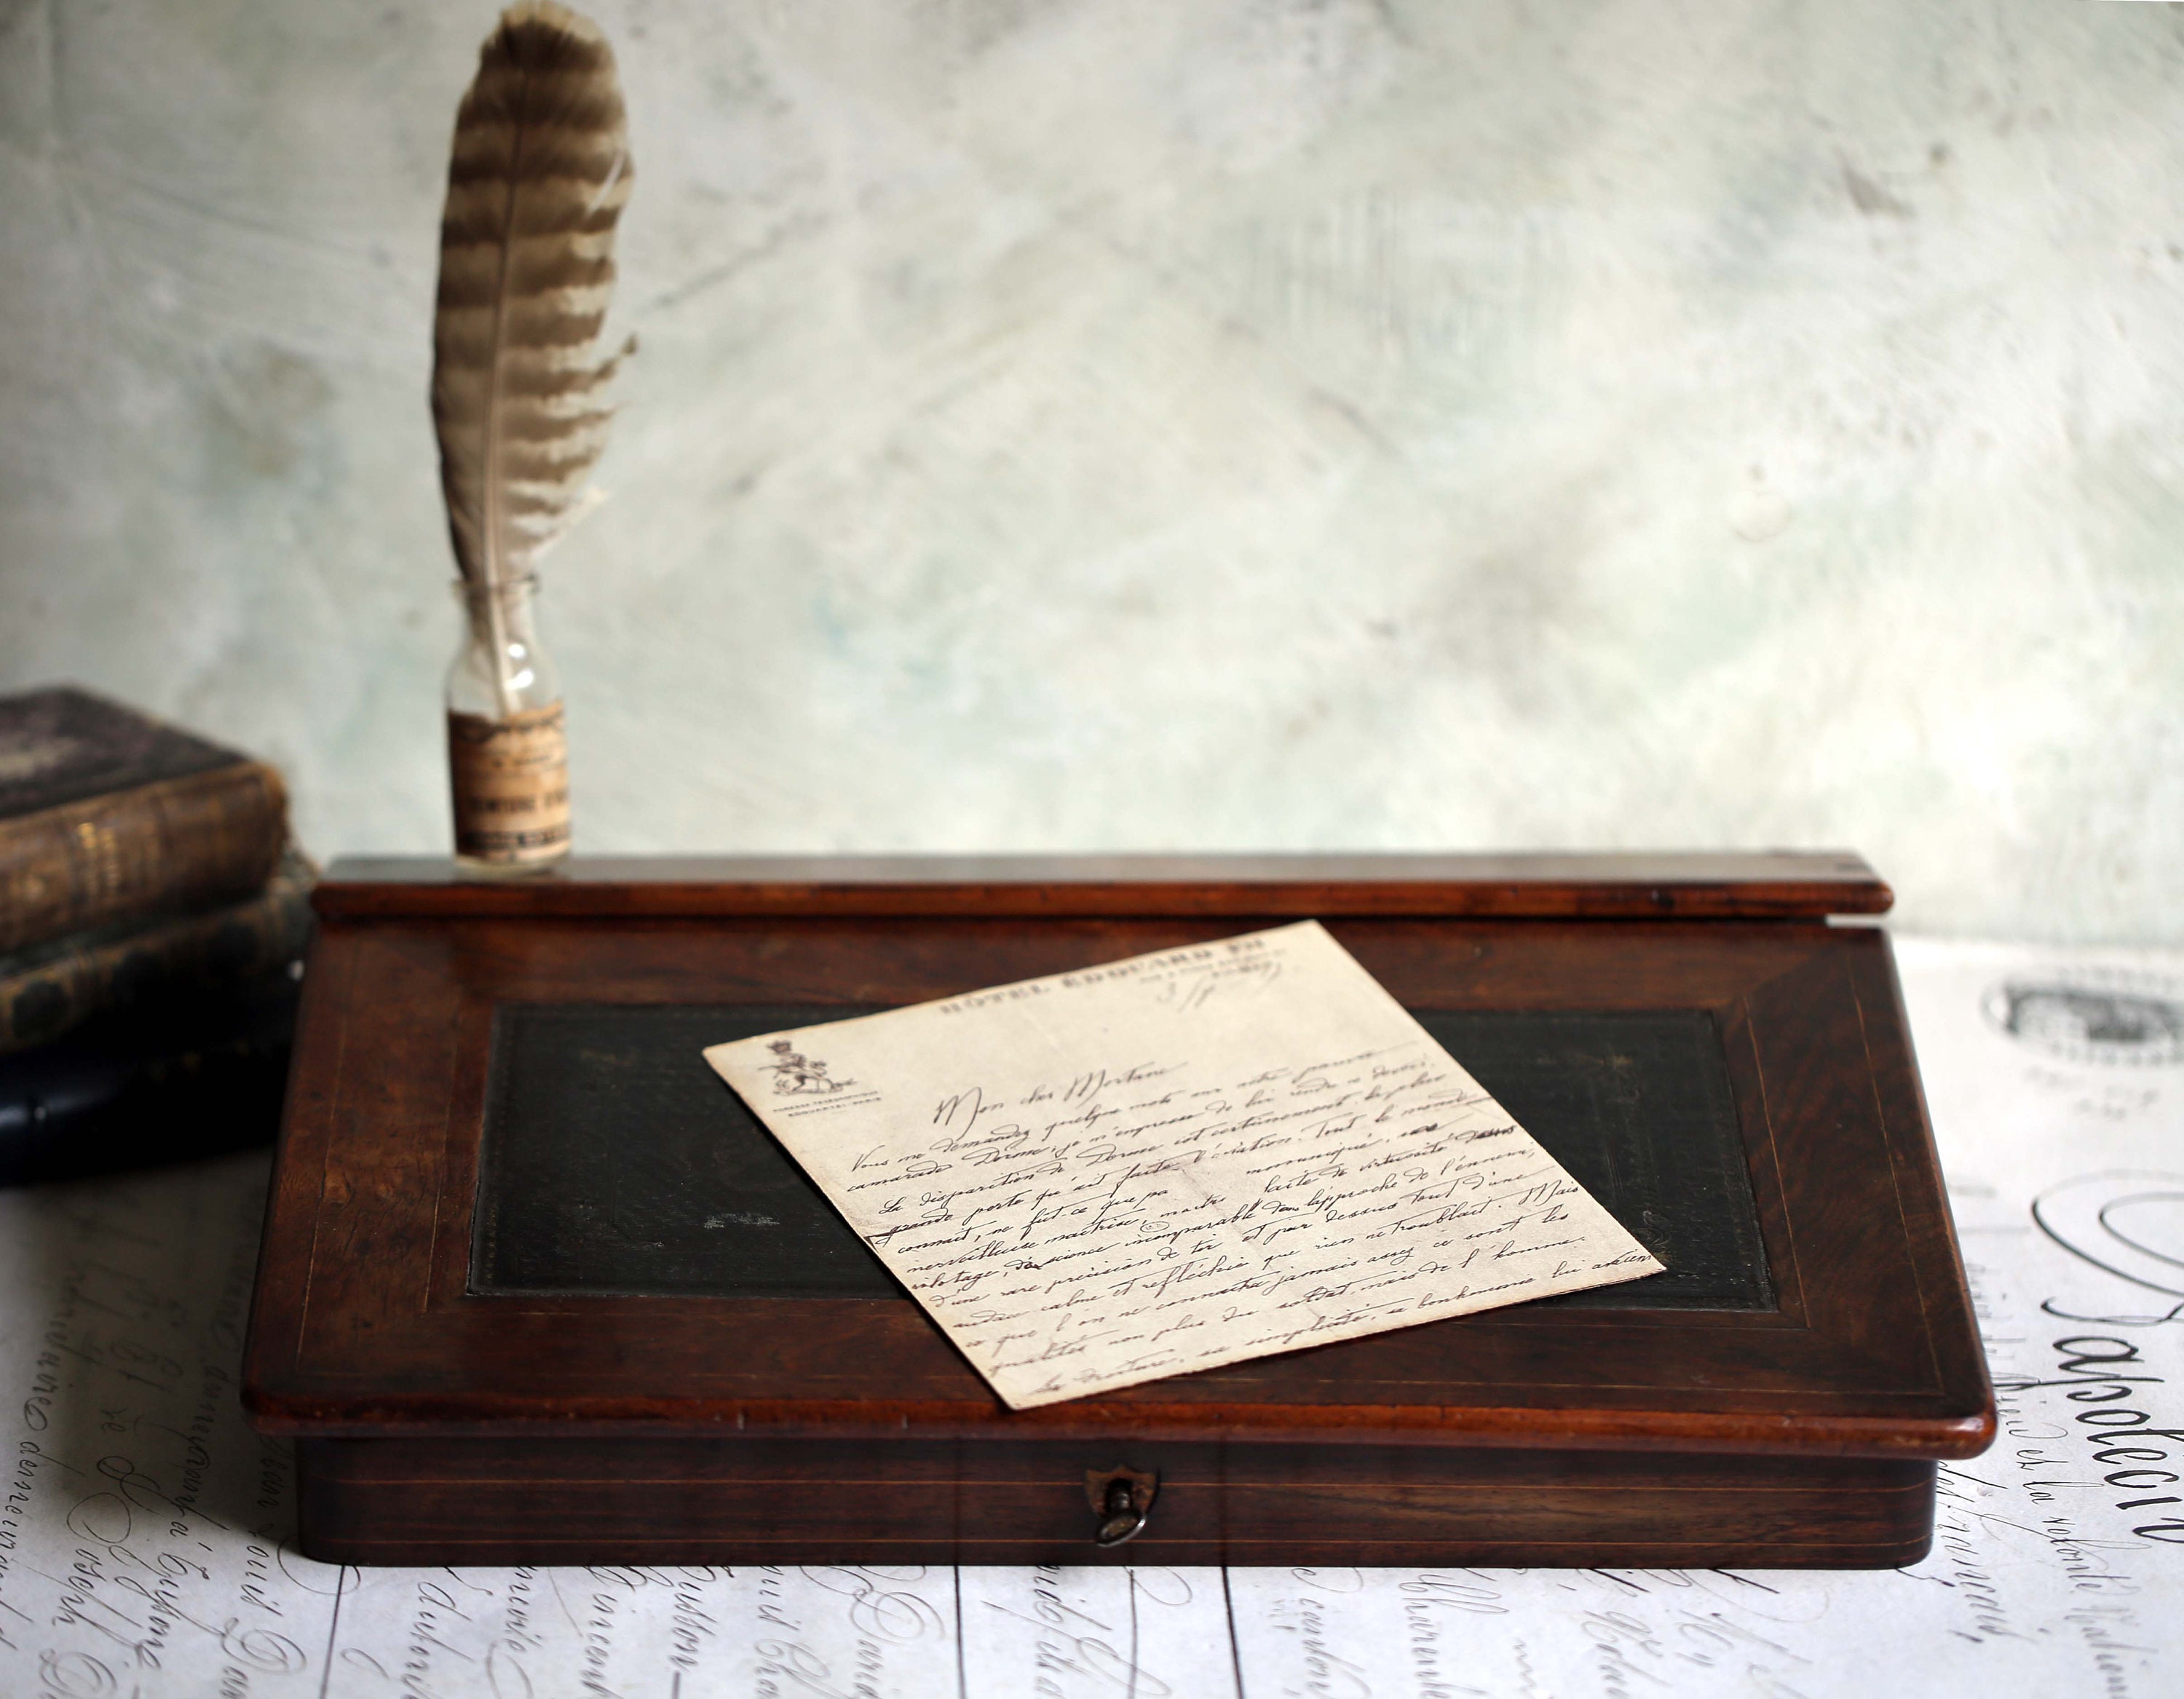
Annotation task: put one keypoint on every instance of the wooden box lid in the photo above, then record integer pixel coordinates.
(494, 1204)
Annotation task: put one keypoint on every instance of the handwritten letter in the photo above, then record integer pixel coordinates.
(1176, 1162)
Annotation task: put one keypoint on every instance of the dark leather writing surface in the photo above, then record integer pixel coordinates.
(616, 1161)
(1637, 1107)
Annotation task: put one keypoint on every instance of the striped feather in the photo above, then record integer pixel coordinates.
(539, 173)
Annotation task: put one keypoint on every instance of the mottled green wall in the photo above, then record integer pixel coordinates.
(1240, 423)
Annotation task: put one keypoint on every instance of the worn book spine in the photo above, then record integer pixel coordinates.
(179, 844)
(46, 991)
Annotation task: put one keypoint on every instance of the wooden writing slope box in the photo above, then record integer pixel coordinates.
(537, 1289)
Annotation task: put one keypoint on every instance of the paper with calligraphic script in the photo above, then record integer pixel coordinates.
(1180, 1161)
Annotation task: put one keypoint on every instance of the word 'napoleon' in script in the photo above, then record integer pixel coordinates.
(1185, 1160)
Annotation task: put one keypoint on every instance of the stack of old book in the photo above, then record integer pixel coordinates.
(153, 920)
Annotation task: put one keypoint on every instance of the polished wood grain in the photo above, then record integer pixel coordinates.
(1773, 885)
(767, 1501)
(419, 1401)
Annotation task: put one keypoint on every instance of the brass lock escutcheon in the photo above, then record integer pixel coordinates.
(1121, 1500)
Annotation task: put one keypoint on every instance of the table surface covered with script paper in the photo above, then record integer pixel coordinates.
(142, 1525)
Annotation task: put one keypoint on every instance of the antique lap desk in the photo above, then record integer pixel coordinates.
(536, 1288)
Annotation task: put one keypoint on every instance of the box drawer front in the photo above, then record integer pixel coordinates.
(500, 1502)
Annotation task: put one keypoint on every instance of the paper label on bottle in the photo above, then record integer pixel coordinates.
(511, 785)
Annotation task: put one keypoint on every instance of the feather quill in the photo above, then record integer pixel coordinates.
(538, 175)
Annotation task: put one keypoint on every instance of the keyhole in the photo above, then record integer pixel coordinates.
(1123, 1519)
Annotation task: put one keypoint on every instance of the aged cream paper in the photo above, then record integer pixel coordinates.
(1180, 1161)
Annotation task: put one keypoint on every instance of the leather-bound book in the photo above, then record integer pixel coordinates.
(189, 1074)
(108, 816)
(52, 988)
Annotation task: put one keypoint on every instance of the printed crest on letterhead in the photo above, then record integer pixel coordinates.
(795, 1075)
